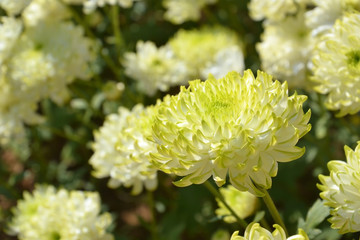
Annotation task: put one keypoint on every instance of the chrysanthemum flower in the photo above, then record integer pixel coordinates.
(340, 190)
(285, 50)
(239, 125)
(324, 14)
(10, 30)
(155, 68)
(48, 213)
(209, 50)
(336, 68)
(255, 232)
(91, 5)
(14, 7)
(179, 11)
(272, 10)
(244, 204)
(121, 149)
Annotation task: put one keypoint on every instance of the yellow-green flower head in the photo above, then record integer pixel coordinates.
(237, 125)
(48, 213)
(121, 149)
(243, 203)
(179, 11)
(14, 7)
(285, 50)
(272, 10)
(155, 68)
(336, 67)
(215, 50)
(255, 232)
(340, 190)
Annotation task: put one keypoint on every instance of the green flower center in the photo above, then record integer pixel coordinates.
(353, 57)
(219, 108)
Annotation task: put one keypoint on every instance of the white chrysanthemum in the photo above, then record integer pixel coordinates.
(121, 149)
(340, 191)
(215, 50)
(49, 56)
(40, 11)
(273, 10)
(179, 11)
(244, 204)
(48, 213)
(336, 67)
(285, 50)
(155, 68)
(255, 232)
(237, 125)
(35, 64)
(13, 7)
(226, 60)
(322, 17)
(10, 30)
(91, 5)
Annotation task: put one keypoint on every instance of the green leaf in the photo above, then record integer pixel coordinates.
(316, 214)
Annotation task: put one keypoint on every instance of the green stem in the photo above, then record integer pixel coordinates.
(218, 195)
(153, 226)
(273, 210)
(119, 41)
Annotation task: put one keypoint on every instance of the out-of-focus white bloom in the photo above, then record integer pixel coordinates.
(239, 126)
(273, 10)
(226, 60)
(40, 11)
(91, 5)
(60, 51)
(179, 11)
(48, 213)
(10, 30)
(121, 149)
(244, 204)
(323, 16)
(336, 67)
(255, 232)
(340, 191)
(13, 7)
(155, 68)
(37, 63)
(285, 50)
(215, 50)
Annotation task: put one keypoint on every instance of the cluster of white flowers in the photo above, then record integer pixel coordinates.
(39, 56)
(179, 11)
(121, 149)
(292, 30)
(190, 54)
(49, 213)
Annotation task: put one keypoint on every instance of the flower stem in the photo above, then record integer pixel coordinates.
(218, 195)
(153, 225)
(110, 63)
(273, 210)
(119, 41)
